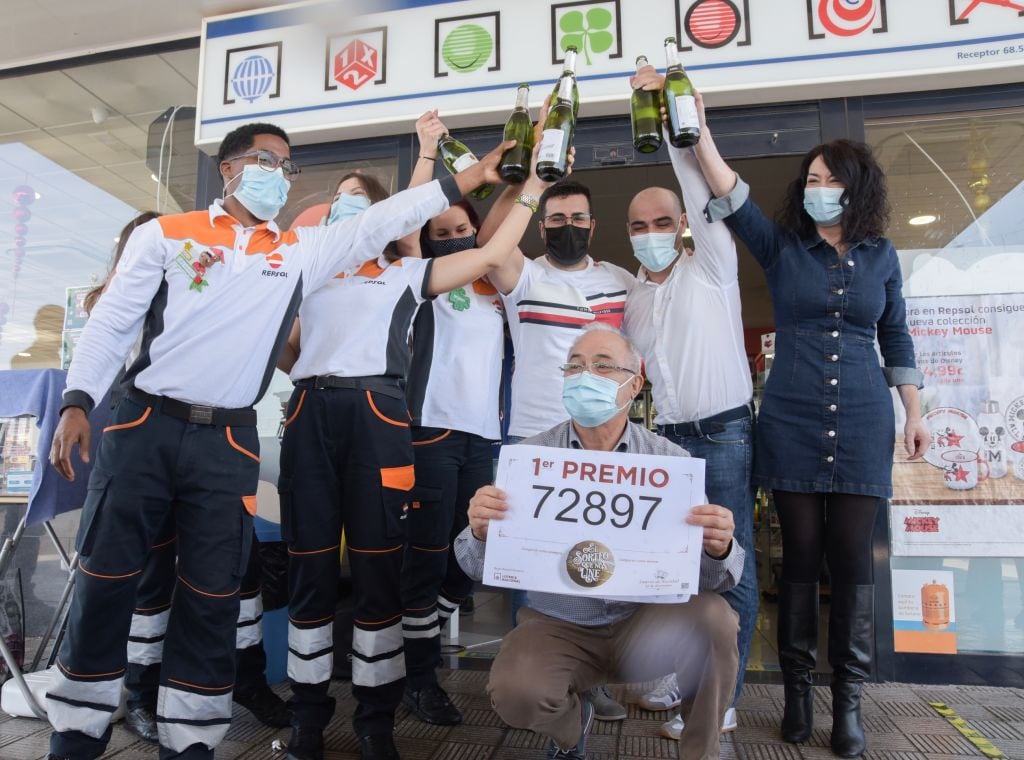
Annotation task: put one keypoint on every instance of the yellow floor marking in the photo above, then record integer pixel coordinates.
(983, 745)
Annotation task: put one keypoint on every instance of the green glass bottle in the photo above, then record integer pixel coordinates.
(456, 158)
(556, 139)
(645, 114)
(569, 71)
(684, 125)
(515, 162)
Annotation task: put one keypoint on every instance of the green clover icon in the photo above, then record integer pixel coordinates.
(459, 299)
(580, 31)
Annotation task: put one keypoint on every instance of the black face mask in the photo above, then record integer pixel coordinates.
(567, 245)
(449, 245)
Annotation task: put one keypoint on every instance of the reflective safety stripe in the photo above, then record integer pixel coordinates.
(85, 706)
(185, 718)
(378, 657)
(249, 631)
(421, 627)
(310, 653)
(445, 608)
(146, 638)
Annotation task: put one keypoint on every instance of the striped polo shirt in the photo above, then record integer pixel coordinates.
(546, 311)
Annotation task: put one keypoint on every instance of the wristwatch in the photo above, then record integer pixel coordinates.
(525, 199)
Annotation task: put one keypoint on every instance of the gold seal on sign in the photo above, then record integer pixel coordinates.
(590, 564)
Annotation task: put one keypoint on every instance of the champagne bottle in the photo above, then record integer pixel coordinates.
(515, 163)
(457, 158)
(678, 94)
(556, 139)
(568, 71)
(645, 114)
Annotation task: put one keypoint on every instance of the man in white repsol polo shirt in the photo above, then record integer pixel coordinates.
(214, 293)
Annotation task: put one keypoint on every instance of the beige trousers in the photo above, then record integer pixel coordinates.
(545, 663)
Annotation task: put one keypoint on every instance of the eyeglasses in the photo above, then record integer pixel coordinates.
(268, 162)
(598, 368)
(579, 219)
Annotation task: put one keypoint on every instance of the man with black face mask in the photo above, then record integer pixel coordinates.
(550, 298)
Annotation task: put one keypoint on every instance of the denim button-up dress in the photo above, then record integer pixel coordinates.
(826, 423)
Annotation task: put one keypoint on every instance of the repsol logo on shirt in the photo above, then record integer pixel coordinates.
(273, 273)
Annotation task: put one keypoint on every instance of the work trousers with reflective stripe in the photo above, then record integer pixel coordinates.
(149, 466)
(149, 625)
(450, 466)
(346, 462)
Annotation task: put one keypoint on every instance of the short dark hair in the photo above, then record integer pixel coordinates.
(563, 189)
(474, 219)
(241, 139)
(375, 190)
(866, 197)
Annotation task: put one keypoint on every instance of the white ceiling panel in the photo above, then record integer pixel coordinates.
(46, 30)
(49, 99)
(137, 85)
(11, 122)
(186, 63)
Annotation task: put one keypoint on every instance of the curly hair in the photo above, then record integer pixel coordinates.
(865, 198)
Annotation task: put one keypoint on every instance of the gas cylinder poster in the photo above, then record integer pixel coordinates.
(923, 616)
(966, 497)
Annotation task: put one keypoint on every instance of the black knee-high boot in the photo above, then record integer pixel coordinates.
(798, 648)
(850, 651)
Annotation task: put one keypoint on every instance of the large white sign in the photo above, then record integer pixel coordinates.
(325, 74)
(957, 530)
(594, 523)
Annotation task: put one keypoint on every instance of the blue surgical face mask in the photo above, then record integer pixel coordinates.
(655, 250)
(449, 245)
(346, 206)
(263, 193)
(592, 400)
(822, 204)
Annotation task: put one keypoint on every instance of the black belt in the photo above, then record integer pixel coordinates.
(388, 386)
(713, 424)
(198, 414)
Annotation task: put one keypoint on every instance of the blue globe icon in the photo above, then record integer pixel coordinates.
(252, 78)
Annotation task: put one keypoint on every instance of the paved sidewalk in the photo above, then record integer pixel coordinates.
(900, 722)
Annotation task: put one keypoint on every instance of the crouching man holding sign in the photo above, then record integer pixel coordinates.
(587, 524)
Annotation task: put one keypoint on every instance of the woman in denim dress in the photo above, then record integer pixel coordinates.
(825, 429)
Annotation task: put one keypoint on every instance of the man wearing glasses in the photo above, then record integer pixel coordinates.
(564, 645)
(184, 438)
(550, 298)
(684, 316)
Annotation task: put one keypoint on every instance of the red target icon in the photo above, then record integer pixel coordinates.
(847, 18)
(712, 23)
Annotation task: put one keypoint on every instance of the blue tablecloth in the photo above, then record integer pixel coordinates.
(38, 392)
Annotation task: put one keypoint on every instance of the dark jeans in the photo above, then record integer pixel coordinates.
(450, 466)
(728, 450)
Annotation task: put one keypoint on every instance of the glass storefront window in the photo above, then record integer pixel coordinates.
(957, 516)
(83, 150)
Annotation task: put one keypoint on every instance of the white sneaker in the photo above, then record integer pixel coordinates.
(729, 720)
(673, 728)
(664, 696)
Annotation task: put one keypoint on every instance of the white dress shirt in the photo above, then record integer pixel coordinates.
(689, 328)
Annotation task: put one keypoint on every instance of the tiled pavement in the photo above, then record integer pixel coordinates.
(900, 723)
